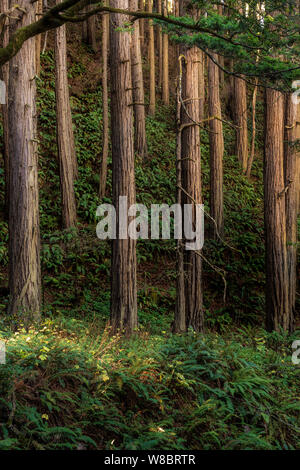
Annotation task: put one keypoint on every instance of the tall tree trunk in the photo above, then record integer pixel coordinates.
(220, 58)
(105, 132)
(4, 75)
(142, 26)
(165, 64)
(278, 314)
(240, 118)
(92, 31)
(291, 196)
(216, 145)
(89, 30)
(138, 89)
(39, 11)
(160, 48)
(201, 84)
(24, 231)
(177, 14)
(252, 154)
(152, 103)
(191, 180)
(298, 157)
(64, 131)
(123, 271)
(179, 324)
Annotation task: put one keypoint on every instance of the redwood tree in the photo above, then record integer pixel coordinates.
(4, 75)
(123, 270)
(105, 113)
(191, 184)
(64, 132)
(216, 147)
(89, 30)
(240, 119)
(138, 89)
(24, 230)
(291, 169)
(278, 312)
(165, 62)
(152, 97)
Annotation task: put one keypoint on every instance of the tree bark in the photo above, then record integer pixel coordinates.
(291, 196)
(89, 30)
(252, 154)
(38, 39)
(24, 232)
(160, 48)
(220, 58)
(64, 131)
(278, 313)
(123, 271)
(298, 157)
(201, 84)
(142, 26)
(191, 181)
(105, 132)
(165, 64)
(240, 118)
(179, 325)
(138, 89)
(152, 103)
(4, 75)
(216, 145)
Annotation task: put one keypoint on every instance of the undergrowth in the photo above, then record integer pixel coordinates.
(69, 385)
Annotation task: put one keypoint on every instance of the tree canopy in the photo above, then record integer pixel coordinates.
(262, 37)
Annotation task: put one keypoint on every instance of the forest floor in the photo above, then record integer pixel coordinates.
(69, 384)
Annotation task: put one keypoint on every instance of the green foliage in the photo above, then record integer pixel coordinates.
(272, 36)
(68, 384)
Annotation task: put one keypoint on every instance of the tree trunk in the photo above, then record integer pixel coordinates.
(165, 64)
(177, 14)
(64, 131)
(105, 132)
(278, 314)
(216, 145)
(240, 118)
(138, 89)
(4, 75)
(201, 84)
(251, 158)
(220, 58)
(89, 30)
(179, 325)
(151, 62)
(291, 177)
(38, 38)
(160, 48)
(142, 26)
(123, 272)
(298, 157)
(191, 182)
(24, 231)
